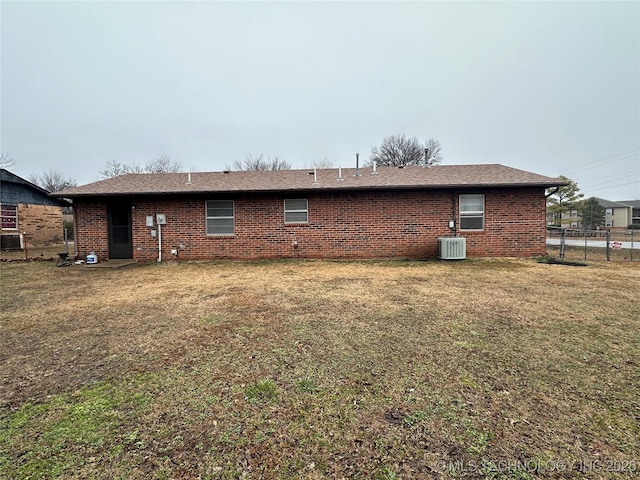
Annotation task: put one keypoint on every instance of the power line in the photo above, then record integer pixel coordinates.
(614, 186)
(608, 179)
(612, 158)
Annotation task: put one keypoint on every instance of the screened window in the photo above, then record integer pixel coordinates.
(472, 212)
(220, 219)
(296, 210)
(9, 214)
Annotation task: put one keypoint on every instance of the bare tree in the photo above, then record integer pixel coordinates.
(322, 163)
(399, 150)
(433, 152)
(260, 163)
(6, 160)
(162, 164)
(113, 168)
(53, 181)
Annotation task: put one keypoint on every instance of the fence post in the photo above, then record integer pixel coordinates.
(608, 245)
(562, 238)
(584, 232)
(632, 244)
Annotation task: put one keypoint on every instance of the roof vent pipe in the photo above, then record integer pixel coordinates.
(189, 178)
(427, 162)
(357, 174)
(374, 171)
(315, 176)
(340, 179)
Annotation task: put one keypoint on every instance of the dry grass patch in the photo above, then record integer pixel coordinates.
(319, 369)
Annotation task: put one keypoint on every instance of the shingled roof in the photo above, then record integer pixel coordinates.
(437, 177)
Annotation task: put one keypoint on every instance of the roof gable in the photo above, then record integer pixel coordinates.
(15, 189)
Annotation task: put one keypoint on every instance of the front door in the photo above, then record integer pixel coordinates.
(120, 242)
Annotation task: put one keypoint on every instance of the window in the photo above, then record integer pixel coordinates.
(220, 217)
(608, 211)
(472, 212)
(573, 213)
(608, 223)
(9, 214)
(296, 210)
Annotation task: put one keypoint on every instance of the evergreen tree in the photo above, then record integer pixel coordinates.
(561, 200)
(592, 214)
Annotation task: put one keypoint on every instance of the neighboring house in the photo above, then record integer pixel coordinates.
(28, 213)
(617, 215)
(330, 213)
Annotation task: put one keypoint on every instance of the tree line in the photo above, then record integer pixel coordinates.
(395, 150)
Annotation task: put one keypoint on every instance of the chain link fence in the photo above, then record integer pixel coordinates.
(579, 244)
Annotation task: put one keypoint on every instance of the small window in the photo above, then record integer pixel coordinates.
(609, 223)
(609, 211)
(573, 213)
(9, 214)
(220, 217)
(472, 212)
(296, 210)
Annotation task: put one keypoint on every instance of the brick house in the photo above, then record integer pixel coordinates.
(389, 212)
(28, 213)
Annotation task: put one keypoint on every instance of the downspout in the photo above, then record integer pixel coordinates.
(552, 192)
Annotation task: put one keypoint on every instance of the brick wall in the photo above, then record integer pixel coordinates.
(393, 224)
(42, 224)
(91, 229)
(515, 225)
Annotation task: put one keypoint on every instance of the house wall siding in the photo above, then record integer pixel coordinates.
(380, 224)
(40, 224)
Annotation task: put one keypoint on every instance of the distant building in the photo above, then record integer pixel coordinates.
(28, 214)
(618, 215)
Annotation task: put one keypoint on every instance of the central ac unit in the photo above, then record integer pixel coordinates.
(452, 248)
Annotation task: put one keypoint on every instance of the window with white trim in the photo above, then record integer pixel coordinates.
(472, 212)
(9, 215)
(296, 210)
(608, 223)
(608, 211)
(220, 218)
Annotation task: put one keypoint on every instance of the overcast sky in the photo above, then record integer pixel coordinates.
(550, 87)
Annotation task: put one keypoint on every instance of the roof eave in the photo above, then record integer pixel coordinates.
(335, 188)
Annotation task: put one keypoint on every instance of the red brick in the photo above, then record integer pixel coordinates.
(357, 225)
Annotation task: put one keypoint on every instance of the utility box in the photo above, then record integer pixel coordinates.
(161, 218)
(452, 248)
